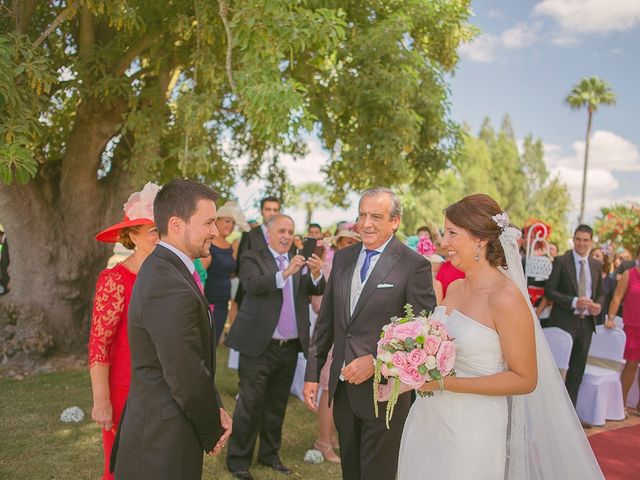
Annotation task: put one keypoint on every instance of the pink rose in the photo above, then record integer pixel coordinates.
(432, 344)
(388, 333)
(446, 357)
(399, 359)
(403, 331)
(411, 377)
(417, 357)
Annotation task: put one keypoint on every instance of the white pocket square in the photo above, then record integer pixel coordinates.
(385, 285)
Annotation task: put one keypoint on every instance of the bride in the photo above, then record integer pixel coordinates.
(506, 413)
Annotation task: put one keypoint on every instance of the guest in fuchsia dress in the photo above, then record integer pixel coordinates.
(109, 359)
(628, 292)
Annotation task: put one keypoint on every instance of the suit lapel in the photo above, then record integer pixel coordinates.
(382, 268)
(571, 268)
(346, 284)
(172, 258)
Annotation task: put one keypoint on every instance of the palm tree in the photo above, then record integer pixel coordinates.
(591, 92)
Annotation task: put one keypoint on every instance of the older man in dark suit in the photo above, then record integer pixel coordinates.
(173, 413)
(575, 288)
(272, 326)
(370, 282)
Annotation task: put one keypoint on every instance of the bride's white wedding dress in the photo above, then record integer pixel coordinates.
(458, 435)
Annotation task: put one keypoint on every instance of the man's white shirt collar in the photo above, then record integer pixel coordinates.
(577, 258)
(181, 255)
(380, 248)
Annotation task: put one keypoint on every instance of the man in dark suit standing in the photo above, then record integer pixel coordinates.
(257, 237)
(271, 327)
(370, 282)
(575, 288)
(174, 412)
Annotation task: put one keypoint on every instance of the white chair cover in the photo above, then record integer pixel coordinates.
(618, 321)
(600, 395)
(560, 343)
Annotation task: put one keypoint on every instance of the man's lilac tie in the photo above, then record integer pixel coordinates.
(287, 321)
(367, 261)
(196, 277)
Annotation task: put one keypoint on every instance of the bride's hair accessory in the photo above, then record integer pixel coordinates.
(502, 220)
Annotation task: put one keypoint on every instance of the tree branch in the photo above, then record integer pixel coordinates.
(87, 33)
(24, 11)
(68, 12)
(224, 13)
(131, 54)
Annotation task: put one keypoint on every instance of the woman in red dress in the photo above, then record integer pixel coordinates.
(109, 357)
(628, 293)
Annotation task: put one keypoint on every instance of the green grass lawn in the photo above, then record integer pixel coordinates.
(35, 444)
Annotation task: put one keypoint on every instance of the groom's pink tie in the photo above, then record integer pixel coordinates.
(196, 277)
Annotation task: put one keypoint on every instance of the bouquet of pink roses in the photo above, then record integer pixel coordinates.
(412, 350)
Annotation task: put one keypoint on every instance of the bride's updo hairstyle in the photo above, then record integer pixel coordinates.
(473, 213)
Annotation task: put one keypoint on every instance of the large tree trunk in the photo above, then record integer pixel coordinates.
(51, 223)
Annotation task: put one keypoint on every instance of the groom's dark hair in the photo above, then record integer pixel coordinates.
(179, 198)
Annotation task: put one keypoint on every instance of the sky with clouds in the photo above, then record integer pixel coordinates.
(524, 63)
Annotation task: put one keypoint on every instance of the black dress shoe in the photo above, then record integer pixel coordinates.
(278, 467)
(242, 475)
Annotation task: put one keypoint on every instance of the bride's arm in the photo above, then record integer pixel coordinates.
(517, 338)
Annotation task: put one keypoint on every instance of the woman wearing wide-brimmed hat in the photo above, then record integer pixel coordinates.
(109, 356)
(221, 265)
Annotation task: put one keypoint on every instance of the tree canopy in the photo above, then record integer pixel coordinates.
(99, 96)
(491, 163)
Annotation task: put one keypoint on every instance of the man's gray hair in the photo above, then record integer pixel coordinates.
(396, 206)
(276, 217)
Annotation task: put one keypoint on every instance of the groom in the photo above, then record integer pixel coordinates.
(174, 412)
(370, 282)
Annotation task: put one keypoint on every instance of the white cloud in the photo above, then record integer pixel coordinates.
(607, 151)
(487, 47)
(520, 36)
(591, 16)
(482, 49)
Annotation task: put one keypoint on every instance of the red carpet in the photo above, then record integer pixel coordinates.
(618, 452)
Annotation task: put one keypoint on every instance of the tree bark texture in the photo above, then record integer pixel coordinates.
(51, 223)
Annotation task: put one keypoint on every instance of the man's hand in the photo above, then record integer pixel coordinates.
(315, 264)
(359, 370)
(226, 422)
(595, 308)
(310, 393)
(295, 264)
(583, 303)
(102, 414)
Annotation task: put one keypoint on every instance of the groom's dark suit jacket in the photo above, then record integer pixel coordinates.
(399, 277)
(172, 413)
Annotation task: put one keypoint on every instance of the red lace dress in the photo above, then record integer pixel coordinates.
(109, 343)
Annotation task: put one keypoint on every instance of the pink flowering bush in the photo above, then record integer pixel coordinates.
(412, 350)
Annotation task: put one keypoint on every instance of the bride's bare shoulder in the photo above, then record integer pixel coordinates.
(506, 297)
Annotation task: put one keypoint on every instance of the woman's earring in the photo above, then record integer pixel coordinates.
(477, 257)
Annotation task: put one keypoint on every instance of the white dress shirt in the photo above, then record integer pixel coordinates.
(356, 284)
(588, 282)
(181, 255)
